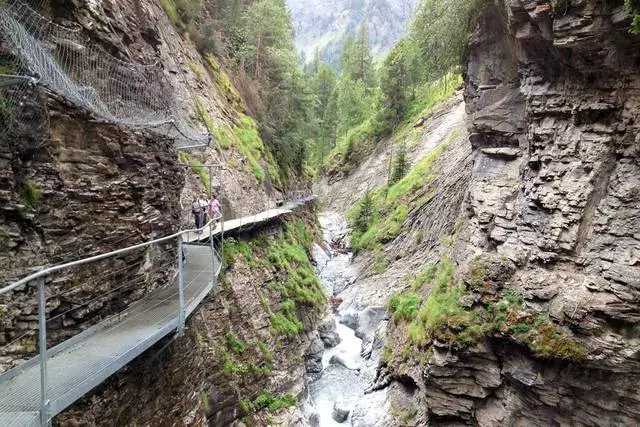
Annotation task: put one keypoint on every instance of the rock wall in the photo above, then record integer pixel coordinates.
(76, 189)
(553, 97)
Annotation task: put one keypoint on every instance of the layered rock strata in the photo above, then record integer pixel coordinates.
(553, 97)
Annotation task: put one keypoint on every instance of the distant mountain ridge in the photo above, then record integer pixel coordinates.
(324, 24)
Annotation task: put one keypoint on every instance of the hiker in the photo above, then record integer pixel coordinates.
(197, 213)
(214, 207)
(204, 205)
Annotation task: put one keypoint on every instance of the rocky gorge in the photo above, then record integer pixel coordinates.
(501, 287)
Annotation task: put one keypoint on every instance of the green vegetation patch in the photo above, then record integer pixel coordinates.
(31, 194)
(183, 13)
(378, 216)
(196, 69)
(234, 343)
(297, 288)
(453, 313)
(246, 139)
(634, 5)
(198, 168)
(269, 401)
(222, 82)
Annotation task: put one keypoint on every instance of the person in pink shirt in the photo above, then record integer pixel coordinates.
(214, 207)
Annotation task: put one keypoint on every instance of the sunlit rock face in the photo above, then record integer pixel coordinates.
(324, 25)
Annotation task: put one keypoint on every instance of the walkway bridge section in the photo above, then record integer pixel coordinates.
(34, 392)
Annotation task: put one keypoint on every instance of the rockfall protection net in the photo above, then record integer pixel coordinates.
(66, 62)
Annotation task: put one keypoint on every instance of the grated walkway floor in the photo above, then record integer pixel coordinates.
(81, 363)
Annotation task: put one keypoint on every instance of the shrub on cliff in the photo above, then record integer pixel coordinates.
(635, 10)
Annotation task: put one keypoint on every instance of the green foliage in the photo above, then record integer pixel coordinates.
(404, 307)
(548, 342)
(364, 214)
(386, 209)
(380, 264)
(271, 402)
(420, 175)
(478, 273)
(408, 414)
(286, 324)
(183, 13)
(233, 249)
(196, 69)
(300, 286)
(398, 76)
(250, 144)
(197, 167)
(30, 194)
(634, 5)
(386, 354)
(231, 368)
(234, 344)
(442, 316)
(268, 354)
(441, 30)
(222, 82)
(356, 62)
(170, 8)
(247, 140)
(353, 104)
(205, 117)
(428, 95)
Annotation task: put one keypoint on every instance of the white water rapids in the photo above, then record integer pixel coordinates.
(346, 374)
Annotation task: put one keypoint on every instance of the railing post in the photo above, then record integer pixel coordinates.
(221, 236)
(213, 251)
(42, 343)
(180, 287)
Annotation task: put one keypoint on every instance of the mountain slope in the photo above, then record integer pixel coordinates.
(324, 25)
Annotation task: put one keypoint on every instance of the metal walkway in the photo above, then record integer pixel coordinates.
(246, 222)
(79, 364)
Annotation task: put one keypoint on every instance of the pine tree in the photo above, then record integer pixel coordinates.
(323, 85)
(363, 67)
(363, 217)
(356, 62)
(400, 164)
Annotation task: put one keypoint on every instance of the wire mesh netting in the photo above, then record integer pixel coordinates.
(34, 49)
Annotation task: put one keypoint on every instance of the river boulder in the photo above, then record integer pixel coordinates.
(340, 413)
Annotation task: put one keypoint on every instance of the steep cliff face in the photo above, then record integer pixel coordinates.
(543, 327)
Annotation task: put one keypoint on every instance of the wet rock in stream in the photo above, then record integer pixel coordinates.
(329, 333)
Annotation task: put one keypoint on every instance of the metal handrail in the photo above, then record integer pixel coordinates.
(59, 267)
